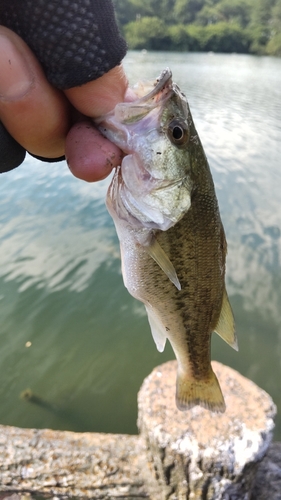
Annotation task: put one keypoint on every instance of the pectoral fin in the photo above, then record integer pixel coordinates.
(163, 261)
(225, 327)
(157, 329)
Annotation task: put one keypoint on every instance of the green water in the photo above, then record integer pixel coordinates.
(70, 332)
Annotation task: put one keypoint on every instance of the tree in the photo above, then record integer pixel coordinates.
(275, 20)
(180, 38)
(219, 37)
(185, 11)
(226, 37)
(259, 28)
(147, 33)
(202, 24)
(233, 11)
(237, 11)
(125, 11)
(151, 8)
(274, 45)
(261, 12)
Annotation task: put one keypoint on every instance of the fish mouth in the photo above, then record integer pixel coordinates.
(146, 99)
(162, 83)
(149, 95)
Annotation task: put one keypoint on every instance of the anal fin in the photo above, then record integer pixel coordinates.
(157, 329)
(157, 253)
(225, 326)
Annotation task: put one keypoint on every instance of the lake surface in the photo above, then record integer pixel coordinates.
(70, 332)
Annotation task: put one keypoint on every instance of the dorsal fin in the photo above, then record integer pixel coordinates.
(163, 261)
(225, 327)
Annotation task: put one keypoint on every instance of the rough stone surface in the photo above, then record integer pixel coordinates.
(198, 454)
(57, 463)
(267, 483)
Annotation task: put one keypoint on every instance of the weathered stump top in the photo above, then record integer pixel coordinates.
(199, 451)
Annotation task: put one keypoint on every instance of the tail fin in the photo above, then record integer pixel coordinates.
(206, 393)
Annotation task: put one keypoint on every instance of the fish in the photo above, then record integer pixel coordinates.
(173, 246)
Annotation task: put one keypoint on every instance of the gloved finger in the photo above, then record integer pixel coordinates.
(12, 153)
(75, 41)
(36, 114)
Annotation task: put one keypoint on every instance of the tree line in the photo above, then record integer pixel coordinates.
(242, 26)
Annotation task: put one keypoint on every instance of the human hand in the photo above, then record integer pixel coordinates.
(51, 123)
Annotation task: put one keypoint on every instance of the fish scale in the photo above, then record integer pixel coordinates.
(172, 241)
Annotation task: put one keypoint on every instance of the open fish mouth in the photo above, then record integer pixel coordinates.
(130, 119)
(159, 86)
(162, 88)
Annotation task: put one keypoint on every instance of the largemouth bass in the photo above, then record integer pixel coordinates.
(173, 247)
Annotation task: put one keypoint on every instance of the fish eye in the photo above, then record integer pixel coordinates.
(178, 132)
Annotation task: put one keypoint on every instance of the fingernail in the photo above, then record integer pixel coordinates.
(16, 77)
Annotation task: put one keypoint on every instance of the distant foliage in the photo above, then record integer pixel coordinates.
(148, 32)
(243, 26)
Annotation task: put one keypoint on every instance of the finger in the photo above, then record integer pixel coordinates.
(89, 155)
(35, 114)
(100, 96)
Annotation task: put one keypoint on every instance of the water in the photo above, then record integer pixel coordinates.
(70, 332)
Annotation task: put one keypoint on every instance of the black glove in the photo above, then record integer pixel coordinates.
(76, 41)
(12, 153)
